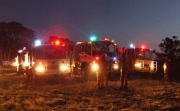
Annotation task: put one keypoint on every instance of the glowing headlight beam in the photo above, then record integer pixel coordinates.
(63, 67)
(138, 65)
(40, 68)
(95, 67)
(115, 66)
(152, 66)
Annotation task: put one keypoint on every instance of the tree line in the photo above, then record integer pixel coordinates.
(170, 48)
(15, 36)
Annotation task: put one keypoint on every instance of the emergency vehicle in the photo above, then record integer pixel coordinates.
(53, 57)
(142, 60)
(87, 55)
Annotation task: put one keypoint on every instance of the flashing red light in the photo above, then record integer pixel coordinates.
(97, 58)
(57, 42)
(142, 47)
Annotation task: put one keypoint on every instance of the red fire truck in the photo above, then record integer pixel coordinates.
(87, 53)
(51, 58)
(142, 60)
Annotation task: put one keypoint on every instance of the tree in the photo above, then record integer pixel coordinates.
(14, 36)
(170, 48)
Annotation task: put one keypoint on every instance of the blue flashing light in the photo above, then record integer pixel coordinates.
(114, 58)
(37, 43)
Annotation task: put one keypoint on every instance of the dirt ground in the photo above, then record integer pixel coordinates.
(74, 94)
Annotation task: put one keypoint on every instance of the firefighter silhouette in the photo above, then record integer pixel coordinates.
(102, 75)
(127, 67)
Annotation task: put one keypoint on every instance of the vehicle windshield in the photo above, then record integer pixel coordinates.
(49, 52)
(143, 54)
(103, 47)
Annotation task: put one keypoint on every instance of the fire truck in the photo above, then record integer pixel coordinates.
(142, 60)
(87, 55)
(51, 58)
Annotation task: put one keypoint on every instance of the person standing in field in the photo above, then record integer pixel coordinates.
(126, 63)
(102, 75)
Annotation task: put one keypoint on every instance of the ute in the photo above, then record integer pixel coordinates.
(87, 55)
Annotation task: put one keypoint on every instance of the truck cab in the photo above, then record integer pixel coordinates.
(87, 53)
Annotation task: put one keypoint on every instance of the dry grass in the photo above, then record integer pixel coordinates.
(5, 70)
(74, 94)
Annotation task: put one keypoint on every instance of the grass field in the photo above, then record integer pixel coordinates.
(7, 69)
(74, 94)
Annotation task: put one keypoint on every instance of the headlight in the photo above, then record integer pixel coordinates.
(64, 67)
(95, 66)
(40, 68)
(115, 66)
(152, 66)
(138, 65)
(15, 64)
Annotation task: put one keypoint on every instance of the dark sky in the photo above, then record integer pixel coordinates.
(125, 21)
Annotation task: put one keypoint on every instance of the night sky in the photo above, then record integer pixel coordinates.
(125, 21)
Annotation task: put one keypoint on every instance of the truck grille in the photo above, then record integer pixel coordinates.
(52, 65)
